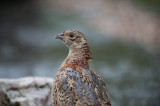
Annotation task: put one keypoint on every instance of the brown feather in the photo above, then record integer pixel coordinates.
(75, 83)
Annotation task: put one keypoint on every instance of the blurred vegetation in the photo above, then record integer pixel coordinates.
(153, 5)
(118, 50)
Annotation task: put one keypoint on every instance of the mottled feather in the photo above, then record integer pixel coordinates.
(75, 83)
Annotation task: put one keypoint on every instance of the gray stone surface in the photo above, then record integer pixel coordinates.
(29, 91)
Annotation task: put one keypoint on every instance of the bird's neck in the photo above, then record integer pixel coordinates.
(78, 58)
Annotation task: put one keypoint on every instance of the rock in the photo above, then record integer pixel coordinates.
(29, 91)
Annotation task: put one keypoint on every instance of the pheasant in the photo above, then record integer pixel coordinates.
(75, 83)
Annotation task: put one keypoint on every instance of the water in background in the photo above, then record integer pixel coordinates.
(28, 49)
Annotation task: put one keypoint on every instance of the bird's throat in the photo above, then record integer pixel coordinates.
(78, 58)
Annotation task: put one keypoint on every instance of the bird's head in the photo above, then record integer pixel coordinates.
(76, 42)
(72, 38)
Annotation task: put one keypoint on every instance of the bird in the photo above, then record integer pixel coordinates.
(75, 84)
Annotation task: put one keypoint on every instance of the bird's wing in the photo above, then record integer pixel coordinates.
(80, 87)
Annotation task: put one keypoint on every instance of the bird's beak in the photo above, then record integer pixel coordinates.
(59, 36)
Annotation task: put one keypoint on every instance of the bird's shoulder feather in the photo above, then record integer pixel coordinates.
(79, 87)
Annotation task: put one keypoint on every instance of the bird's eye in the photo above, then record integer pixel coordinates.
(71, 35)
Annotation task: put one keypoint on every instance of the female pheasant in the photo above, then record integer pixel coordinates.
(75, 83)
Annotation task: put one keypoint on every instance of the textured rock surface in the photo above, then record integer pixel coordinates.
(29, 91)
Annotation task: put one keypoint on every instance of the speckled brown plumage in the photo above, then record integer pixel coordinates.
(75, 83)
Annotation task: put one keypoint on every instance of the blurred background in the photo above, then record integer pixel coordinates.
(124, 37)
